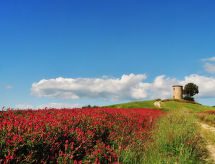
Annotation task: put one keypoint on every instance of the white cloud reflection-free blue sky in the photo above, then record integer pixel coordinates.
(103, 52)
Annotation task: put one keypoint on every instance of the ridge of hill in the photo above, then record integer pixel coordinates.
(166, 105)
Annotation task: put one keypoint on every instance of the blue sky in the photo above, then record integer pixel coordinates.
(81, 41)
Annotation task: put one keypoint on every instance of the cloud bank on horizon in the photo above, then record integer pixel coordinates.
(128, 87)
(50, 105)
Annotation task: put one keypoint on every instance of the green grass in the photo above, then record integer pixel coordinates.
(136, 104)
(208, 135)
(175, 140)
(165, 105)
(206, 118)
(173, 105)
(209, 138)
(177, 137)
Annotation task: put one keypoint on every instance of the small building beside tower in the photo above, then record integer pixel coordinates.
(177, 92)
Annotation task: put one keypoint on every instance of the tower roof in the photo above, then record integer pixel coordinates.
(177, 86)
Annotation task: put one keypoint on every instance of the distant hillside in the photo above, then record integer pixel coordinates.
(135, 104)
(166, 105)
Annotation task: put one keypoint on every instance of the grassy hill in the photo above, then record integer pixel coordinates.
(176, 135)
(166, 105)
(136, 104)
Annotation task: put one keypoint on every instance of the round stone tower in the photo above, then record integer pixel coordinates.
(177, 92)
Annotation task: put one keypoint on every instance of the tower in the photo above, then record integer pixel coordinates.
(177, 92)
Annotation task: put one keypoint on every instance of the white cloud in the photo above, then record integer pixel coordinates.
(50, 105)
(206, 85)
(162, 87)
(209, 59)
(23, 106)
(209, 65)
(210, 68)
(59, 106)
(128, 87)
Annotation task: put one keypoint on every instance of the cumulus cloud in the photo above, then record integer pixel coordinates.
(206, 85)
(23, 106)
(210, 68)
(209, 59)
(50, 105)
(128, 87)
(209, 65)
(162, 87)
(59, 106)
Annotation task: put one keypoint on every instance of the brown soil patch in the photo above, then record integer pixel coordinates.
(210, 147)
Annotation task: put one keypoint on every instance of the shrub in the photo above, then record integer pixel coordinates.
(190, 89)
(188, 98)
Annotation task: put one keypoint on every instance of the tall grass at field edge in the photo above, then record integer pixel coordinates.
(175, 139)
(166, 105)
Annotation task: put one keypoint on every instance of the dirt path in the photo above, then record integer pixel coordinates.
(208, 127)
(157, 104)
(210, 147)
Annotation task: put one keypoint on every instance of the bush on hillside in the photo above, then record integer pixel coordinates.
(89, 106)
(188, 98)
(190, 89)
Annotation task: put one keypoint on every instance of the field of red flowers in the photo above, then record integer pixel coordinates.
(207, 116)
(89, 135)
(208, 112)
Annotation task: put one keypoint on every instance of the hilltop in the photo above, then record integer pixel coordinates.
(166, 105)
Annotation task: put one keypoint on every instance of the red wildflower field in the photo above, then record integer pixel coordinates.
(90, 135)
(208, 112)
(207, 116)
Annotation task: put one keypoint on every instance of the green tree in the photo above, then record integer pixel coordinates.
(190, 90)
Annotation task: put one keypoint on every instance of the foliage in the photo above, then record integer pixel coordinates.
(190, 90)
(188, 98)
(89, 106)
(89, 135)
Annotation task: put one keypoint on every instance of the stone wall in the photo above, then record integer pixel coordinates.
(177, 92)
